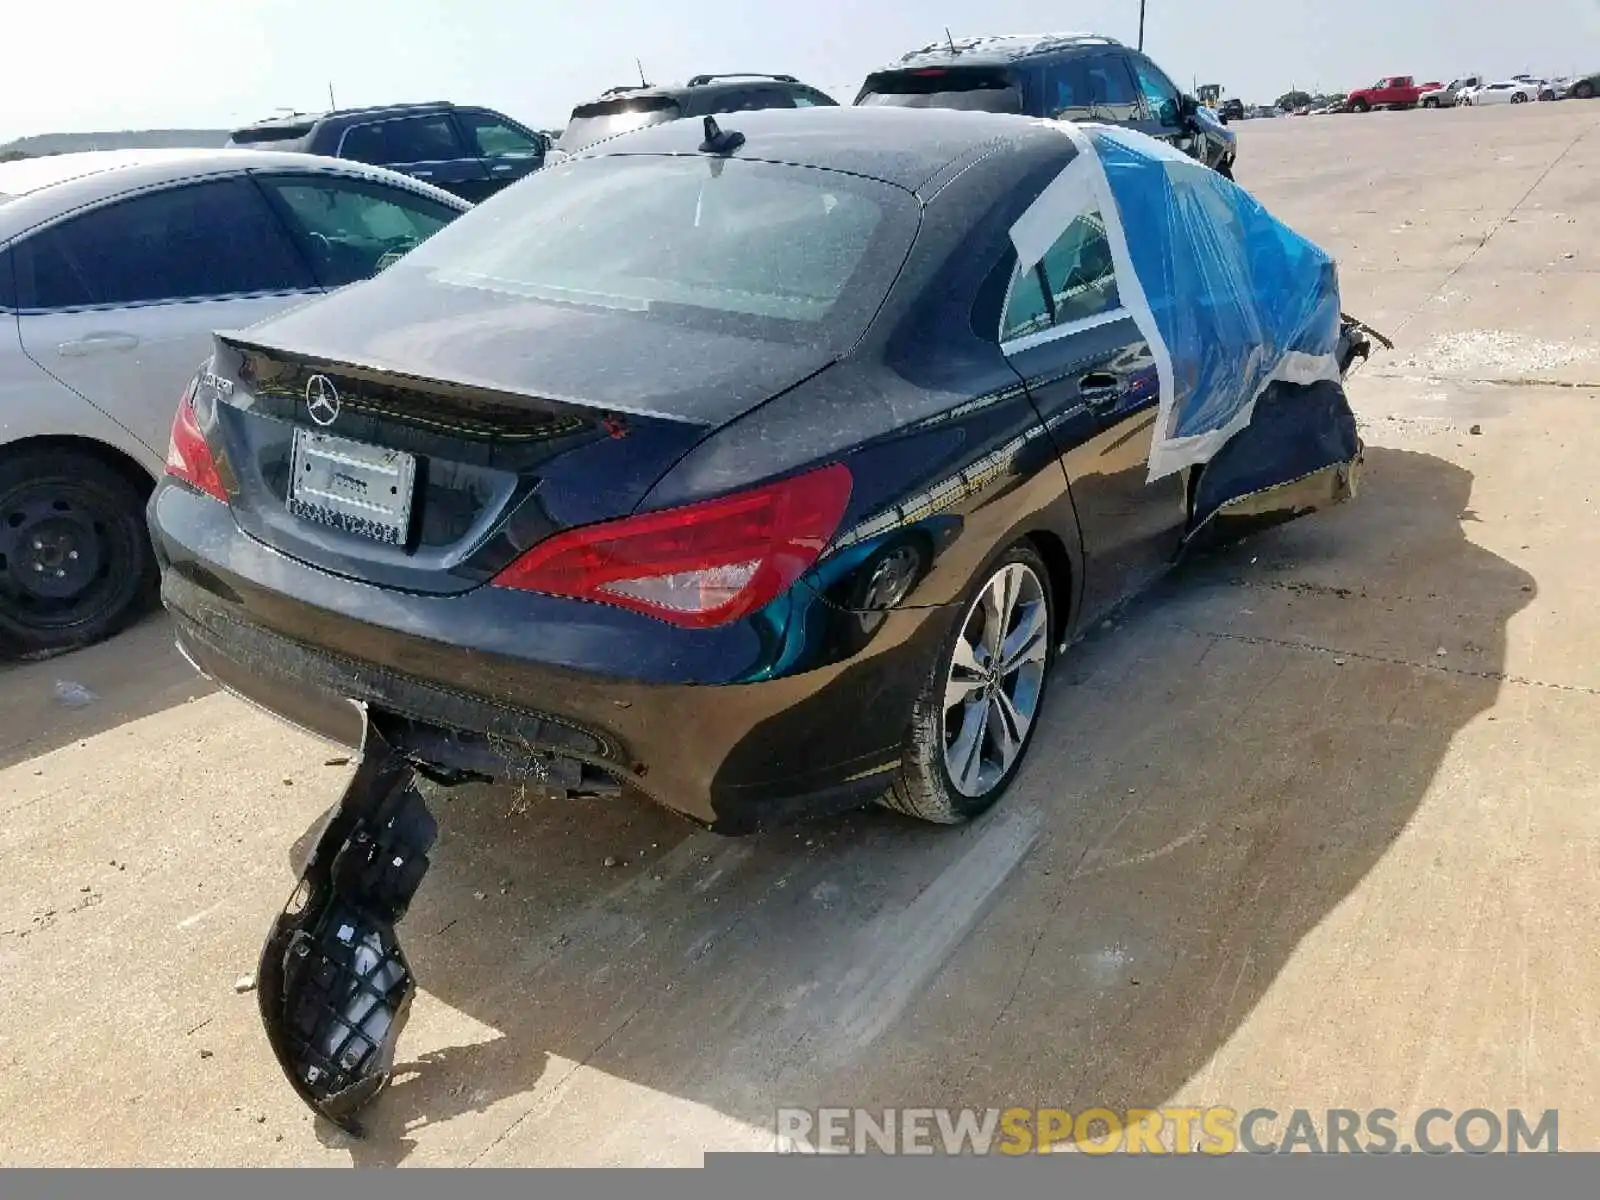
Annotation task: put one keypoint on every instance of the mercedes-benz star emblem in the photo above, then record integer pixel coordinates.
(322, 400)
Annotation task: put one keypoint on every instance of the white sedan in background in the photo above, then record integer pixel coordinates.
(115, 269)
(1511, 91)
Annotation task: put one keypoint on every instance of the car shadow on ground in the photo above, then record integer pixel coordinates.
(1215, 773)
(69, 697)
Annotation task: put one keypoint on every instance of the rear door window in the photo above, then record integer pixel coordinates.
(810, 98)
(1075, 281)
(201, 240)
(351, 228)
(984, 89)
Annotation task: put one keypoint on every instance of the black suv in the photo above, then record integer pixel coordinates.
(473, 152)
(1069, 76)
(622, 109)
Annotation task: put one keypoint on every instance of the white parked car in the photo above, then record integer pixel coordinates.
(115, 269)
(1511, 91)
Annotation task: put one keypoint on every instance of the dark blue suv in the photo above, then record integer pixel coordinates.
(1066, 76)
(473, 152)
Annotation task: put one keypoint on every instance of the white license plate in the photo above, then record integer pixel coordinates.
(365, 490)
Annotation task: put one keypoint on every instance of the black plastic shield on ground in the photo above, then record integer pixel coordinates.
(334, 987)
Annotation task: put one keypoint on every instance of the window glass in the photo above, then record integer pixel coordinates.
(350, 226)
(980, 89)
(750, 99)
(206, 239)
(1160, 95)
(728, 244)
(591, 123)
(812, 100)
(8, 284)
(1026, 311)
(491, 137)
(1079, 272)
(408, 140)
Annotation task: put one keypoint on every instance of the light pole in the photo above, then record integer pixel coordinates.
(1141, 26)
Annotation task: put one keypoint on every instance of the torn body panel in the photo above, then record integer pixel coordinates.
(1300, 452)
(335, 988)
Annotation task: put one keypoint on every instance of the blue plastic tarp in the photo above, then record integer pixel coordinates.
(1232, 299)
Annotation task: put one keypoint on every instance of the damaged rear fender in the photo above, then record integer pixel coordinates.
(1299, 453)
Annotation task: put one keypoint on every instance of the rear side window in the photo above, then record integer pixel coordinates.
(352, 227)
(200, 240)
(982, 89)
(407, 140)
(606, 118)
(780, 252)
(807, 98)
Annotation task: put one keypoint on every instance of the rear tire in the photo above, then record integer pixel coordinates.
(76, 564)
(1519, 98)
(1430, 104)
(1584, 91)
(1225, 168)
(955, 765)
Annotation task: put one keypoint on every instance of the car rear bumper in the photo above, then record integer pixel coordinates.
(315, 649)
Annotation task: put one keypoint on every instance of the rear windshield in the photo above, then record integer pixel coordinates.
(735, 246)
(269, 134)
(984, 89)
(607, 118)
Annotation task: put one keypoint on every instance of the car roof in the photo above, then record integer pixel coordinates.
(307, 120)
(38, 189)
(997, 49)
(709, 84)
(903, 146)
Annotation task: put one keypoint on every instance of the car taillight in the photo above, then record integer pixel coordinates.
(188, 456)
(699, 565)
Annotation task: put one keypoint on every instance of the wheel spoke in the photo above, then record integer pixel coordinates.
(958, 688)
(998, 599)
(1027, 642)
(1008, 738)
(966, 752)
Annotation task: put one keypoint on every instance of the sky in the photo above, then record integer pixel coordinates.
(73, 66)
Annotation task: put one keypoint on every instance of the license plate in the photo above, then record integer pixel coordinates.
(364, 490)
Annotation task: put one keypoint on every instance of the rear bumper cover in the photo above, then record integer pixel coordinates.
(314, 649)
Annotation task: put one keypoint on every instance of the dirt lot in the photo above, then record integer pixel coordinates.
(1315, 826)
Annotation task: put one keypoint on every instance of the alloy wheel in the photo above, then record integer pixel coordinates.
(996, 679)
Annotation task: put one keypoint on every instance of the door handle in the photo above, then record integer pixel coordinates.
(95, 343)
(503, 168)
(1100, 390)
(421, 174)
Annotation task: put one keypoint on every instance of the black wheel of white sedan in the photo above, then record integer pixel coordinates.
(976, 717)
(75, 561)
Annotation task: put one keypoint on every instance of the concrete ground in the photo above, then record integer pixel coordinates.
(1314, 826)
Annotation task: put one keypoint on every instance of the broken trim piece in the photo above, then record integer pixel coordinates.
(335, 988)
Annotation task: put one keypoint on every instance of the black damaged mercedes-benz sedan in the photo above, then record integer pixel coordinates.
(758, 470)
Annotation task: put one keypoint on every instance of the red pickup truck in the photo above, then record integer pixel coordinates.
(1392, 91)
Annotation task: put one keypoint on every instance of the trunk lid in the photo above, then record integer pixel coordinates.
(501, 433)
